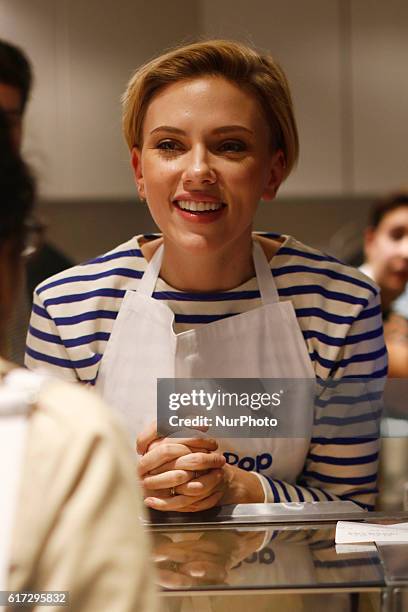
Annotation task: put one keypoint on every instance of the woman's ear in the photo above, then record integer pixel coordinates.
(136, 161)
(276, 175)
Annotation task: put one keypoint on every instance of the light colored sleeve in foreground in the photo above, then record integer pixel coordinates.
(79, 526)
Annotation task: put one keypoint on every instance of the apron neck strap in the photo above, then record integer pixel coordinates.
(150, 276)
(266, 284)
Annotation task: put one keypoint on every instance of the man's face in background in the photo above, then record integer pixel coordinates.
(11, 104)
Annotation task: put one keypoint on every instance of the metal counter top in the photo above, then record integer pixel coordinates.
(267, 514)
(276, 549)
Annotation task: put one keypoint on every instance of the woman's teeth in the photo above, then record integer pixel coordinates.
(198, 206)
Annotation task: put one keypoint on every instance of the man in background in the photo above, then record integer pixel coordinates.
(43, 260)
(386, 262)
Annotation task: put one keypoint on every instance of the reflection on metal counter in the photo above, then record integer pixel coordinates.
(243, 514)
(282, 565)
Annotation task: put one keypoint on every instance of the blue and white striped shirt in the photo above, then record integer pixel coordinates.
(337, 308)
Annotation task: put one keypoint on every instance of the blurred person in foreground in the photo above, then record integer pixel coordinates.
(69, 504)
(16, 80)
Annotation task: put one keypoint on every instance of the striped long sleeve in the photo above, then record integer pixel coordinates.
(343, 456)
(338, 313)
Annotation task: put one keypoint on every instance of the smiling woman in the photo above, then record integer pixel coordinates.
(211, 131)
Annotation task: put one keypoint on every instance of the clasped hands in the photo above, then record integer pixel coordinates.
(180, 474)
(190, 475)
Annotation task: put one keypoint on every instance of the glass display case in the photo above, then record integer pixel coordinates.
(279, 557)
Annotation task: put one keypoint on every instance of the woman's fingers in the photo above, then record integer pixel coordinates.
(146, 437)
(163, 453)
(167, 504)
(183, 482)
(203, 444)
(149, 438)
(166, 457)
(167, 480)
(181, 503)
(199, 461)
(203, 485)
(204, 504)
(184, 503)
(171, 465)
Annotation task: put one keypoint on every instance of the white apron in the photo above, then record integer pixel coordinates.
(16, 398)
(265, 342)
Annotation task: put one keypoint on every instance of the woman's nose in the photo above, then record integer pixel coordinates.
(198, 168)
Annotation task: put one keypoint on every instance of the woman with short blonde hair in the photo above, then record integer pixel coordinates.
(259, 74)
(211, 131)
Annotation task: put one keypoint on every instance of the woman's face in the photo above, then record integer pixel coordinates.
(205, 162)
(386, 250)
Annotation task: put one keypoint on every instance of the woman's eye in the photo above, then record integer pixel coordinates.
(232, 146)
(169, 146)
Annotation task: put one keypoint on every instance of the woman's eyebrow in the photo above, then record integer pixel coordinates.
(232, 128)
(167, 128)
(220, 130)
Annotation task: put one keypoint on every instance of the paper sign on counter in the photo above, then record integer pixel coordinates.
(347, 549)
(348, 532)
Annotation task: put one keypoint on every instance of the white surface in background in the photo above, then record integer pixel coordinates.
(348, 532)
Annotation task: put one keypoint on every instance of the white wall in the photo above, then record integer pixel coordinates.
(83, 53)
(305, 38)
(346, 61)
(32, 25)
(380, 94)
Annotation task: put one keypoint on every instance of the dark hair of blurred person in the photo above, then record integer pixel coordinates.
(70, 506)
(16, 79)
(386, 205)
(17, 192)
(15, 85)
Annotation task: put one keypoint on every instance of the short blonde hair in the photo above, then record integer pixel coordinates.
(259, 74)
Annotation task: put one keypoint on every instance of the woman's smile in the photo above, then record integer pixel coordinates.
(199, 207)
